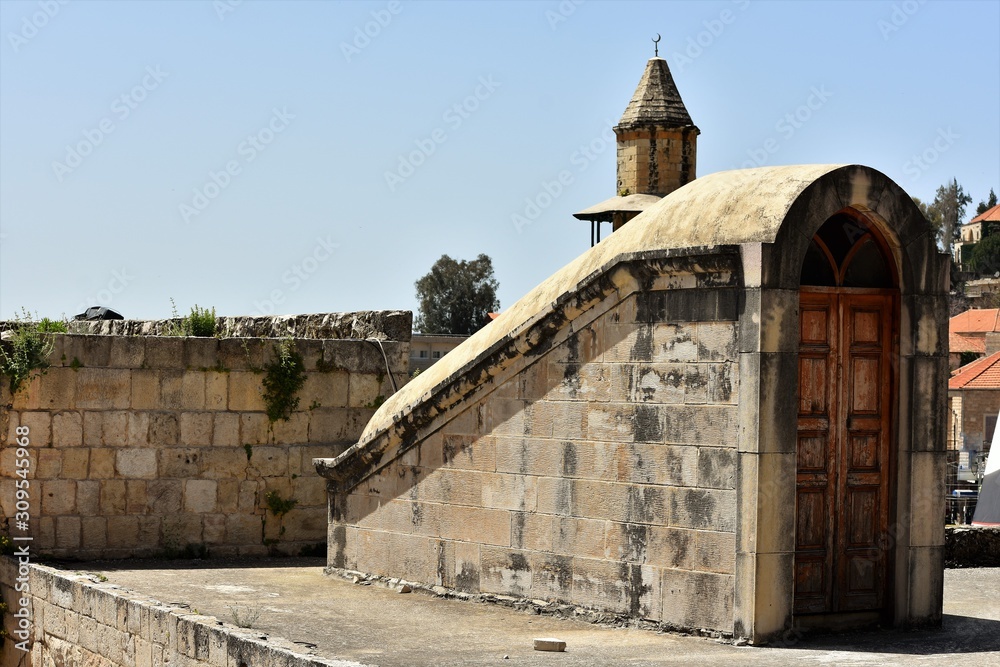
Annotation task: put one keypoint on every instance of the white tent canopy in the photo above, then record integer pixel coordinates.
(988, 506)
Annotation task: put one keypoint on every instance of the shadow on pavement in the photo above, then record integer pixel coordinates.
(957, 634)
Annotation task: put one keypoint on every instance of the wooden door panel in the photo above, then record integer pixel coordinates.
(842, 498)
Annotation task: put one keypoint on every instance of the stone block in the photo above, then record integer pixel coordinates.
(127, 352)
(88, 498)
(293, 430)
(94, 533)
(254, 428)
(193, 390)
(138, 429)
(200, 496)
(102, 463)
(47, 464)
(698, 599)
(179, 463)
(56, 390)
(103, 388)
(201, 353)
(328, 389)
(123, 531)
(164, 351)
(164, 429)
(39, 427)
(242, 529)
(270, 461)
(93, 429)
(223, 463)
(928, 474)
(113, 497)
(75, 463)
(246, 391)
(136, 463)
(363, 390)
(171, 390)
(68, 532)
(67, 429)
(180, 530)
(58, 497)
(165, 495)
(216, 390)
(145, 389)
(304, 525)
(705, 509)
(505, 571)
(926, 584)
(512, 492)
(717, 467)
(136, 499)
(226, 429)
(196, 429)
(928, 431)
(611, 422)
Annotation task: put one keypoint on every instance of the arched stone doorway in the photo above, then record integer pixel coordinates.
(847, 368)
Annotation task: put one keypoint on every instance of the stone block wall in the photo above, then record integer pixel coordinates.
(76, 621)
(145, 445)
(973, 406)
(602, 474)
(656, 160)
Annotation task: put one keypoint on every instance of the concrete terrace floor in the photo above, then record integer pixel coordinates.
(375, 625)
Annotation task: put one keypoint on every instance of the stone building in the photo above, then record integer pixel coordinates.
(728, 415)
(974, 398)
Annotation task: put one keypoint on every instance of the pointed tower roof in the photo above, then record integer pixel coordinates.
(656, 100)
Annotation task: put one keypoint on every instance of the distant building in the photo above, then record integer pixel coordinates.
(970, 332)
(974, 399)
(426, 349)
(974, 231)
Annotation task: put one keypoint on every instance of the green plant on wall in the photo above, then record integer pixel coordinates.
(25, 352)
(200, 322)
(283, 378)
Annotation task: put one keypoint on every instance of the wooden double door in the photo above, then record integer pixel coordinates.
(843, 541)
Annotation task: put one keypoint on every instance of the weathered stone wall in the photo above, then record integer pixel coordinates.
(76, 621)
(602, 474)
(656, 161)
(144, 445)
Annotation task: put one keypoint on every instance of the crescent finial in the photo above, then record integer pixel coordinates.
(656, 46)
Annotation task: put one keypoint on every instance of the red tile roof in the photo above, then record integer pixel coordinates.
(977, 320)
(990, 215)
(959, 343)
(980, 374)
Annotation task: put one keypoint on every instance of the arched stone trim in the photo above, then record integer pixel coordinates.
(766, 479)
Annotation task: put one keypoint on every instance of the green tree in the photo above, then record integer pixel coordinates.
(932, 214)
(457, 296)
(987, 204)
(950, 201)
(985, 257)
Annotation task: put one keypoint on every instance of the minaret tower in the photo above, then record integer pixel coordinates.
(657, 142)
(657, 149)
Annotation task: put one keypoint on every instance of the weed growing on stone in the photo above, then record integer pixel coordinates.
(25, 352)
(244, 616)
(283, 378)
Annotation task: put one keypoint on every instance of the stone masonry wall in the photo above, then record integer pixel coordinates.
(601, 475)
(976, 405)
(76, 621)
(144, 445)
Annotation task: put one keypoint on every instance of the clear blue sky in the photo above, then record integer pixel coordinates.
(112, 115)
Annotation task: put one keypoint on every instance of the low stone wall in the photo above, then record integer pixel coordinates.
(392, 325)
(971, 546)
(145, 445)
(76, 621)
